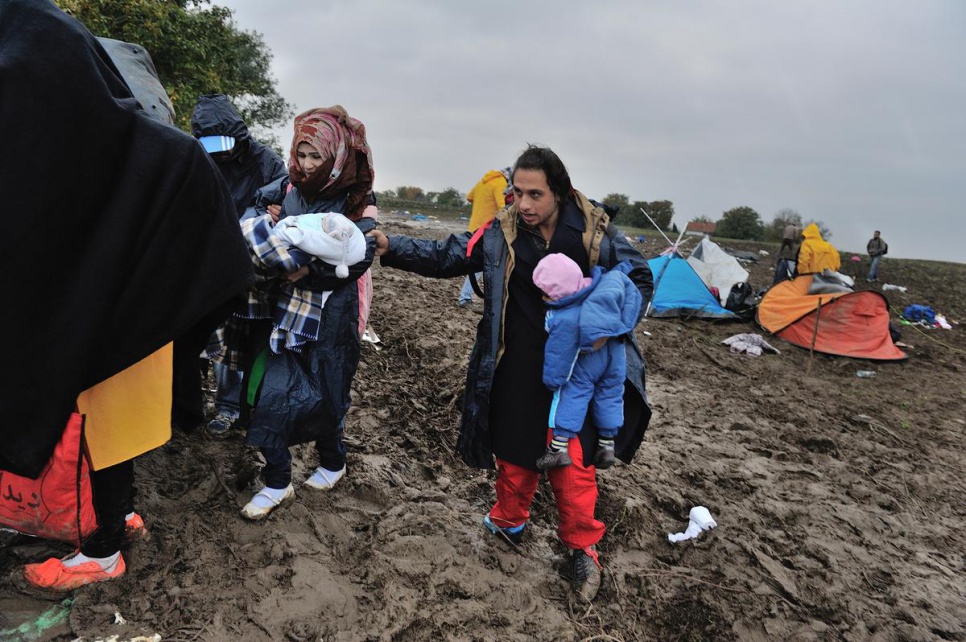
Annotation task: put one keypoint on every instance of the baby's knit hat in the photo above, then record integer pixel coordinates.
(558, 276)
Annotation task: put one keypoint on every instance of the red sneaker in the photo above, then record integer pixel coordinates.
(54, 576)
(134, 529)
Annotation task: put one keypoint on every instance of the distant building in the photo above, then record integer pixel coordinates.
(699, 228)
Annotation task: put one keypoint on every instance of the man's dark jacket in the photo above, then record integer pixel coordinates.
(492, 254)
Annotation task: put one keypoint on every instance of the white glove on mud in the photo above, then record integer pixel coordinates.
(700, 520)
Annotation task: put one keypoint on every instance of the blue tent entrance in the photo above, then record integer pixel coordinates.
(680, 292)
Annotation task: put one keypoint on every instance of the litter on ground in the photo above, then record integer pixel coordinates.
(699, 520)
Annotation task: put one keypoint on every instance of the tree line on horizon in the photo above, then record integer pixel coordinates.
(737, 223)
(197, 49)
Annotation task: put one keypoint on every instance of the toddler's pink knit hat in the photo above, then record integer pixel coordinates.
(558, 276)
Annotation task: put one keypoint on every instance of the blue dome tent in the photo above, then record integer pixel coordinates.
(680, 292)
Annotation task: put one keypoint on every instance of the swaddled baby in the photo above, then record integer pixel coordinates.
(330, 236)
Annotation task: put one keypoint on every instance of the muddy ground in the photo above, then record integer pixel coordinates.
(839, 502)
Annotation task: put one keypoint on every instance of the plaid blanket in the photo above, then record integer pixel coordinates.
(295, 311)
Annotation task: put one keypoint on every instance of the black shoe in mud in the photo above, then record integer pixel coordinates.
(586, 574)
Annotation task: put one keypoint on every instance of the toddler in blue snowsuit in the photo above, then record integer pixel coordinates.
(584, 360)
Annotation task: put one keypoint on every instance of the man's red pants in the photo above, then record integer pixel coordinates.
(574, 490)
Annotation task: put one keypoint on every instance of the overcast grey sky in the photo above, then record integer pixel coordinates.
(847, 111)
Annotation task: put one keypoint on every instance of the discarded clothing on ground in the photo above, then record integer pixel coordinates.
(923, 314)
(749, 343)
(742, 255)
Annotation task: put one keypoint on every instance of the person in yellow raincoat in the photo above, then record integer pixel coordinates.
(816, 254)
(488, 197)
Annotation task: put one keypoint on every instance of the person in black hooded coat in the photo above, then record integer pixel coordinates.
(247, 164)
(132, 241)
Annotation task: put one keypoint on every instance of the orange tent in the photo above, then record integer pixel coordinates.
(850, 324)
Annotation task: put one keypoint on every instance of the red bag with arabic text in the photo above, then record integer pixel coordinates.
(58, 504)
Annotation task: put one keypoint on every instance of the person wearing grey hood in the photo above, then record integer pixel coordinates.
(246, 165)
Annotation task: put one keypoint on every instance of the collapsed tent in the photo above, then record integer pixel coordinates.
(848, 324)
(680, 292)
(717, 268)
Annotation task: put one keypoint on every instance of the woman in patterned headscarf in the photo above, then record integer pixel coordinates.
(297, 389)
(345, 172)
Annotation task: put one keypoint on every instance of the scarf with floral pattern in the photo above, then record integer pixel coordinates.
(347, 159)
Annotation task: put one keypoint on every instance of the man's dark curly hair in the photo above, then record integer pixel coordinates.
(544, 159)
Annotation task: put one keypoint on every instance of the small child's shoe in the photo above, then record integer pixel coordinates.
(134, 528)
(554, 459)
(265, 501)
(324, 479)
(604, 457)
(53, 575)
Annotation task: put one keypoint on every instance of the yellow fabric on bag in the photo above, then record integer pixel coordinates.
(130, 413)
